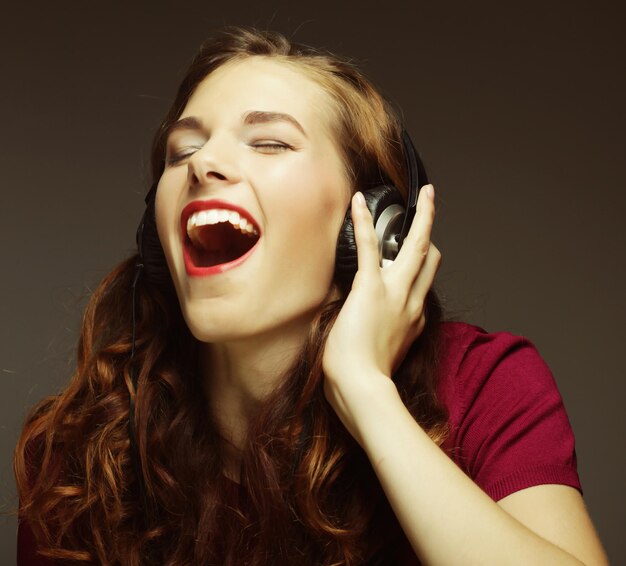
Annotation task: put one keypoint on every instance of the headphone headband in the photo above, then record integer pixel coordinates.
(415, 180)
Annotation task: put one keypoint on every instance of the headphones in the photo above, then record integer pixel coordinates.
(392, 220)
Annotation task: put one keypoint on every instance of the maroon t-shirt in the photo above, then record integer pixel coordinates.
(508, 427)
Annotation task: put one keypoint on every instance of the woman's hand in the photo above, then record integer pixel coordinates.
(383, 313)
(446, 517)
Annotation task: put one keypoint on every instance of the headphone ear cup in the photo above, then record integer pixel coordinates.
(151, 253)
(346, 264)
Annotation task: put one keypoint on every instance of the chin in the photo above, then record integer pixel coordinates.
(212, 331)
(226, 326)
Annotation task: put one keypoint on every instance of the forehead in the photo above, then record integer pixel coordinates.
(261, 84)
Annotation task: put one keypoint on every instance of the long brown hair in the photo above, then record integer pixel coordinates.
(308, 493)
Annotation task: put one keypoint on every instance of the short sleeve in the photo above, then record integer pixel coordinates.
(509, 428)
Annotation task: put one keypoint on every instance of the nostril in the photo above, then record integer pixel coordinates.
(217, 175)
(197, 179)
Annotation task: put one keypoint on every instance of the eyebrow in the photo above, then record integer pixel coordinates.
(188, 123)
(249, 119)
(260, 117)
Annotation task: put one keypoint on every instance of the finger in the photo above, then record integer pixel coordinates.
(364, 235)
(417, 242)
(424, 281)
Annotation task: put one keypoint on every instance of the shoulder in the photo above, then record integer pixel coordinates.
(508, 426)
(469, 356)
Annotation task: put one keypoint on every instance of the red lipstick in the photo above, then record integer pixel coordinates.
(199, 205)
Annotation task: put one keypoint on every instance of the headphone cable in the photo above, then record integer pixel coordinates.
(134, 445)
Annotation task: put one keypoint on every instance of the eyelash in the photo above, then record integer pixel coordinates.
(269, 147)
(273, 147)
(181, 156)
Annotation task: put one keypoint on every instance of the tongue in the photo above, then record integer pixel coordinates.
(215, 244)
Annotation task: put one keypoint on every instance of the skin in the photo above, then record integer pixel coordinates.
(252, 319)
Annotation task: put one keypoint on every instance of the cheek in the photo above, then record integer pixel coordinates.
(319, 191)
(313, 214)
(313, 218)
(160, 212)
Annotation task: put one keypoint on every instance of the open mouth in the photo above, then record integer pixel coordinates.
(216, 239)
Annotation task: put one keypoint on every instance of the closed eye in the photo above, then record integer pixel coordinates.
(180, 155)
(271, 146)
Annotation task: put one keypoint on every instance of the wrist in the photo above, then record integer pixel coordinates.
(364, 401)
(362, 388)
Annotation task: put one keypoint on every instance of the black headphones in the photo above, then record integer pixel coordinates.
(392, 220)
(391, 214)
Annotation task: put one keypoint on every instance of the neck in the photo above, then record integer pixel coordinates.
(239, 375)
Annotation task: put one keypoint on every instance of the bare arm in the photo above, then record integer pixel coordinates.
(447, 518)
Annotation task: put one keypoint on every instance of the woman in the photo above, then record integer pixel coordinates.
(255, 376)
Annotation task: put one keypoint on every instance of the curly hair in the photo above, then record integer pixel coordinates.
(308, 493)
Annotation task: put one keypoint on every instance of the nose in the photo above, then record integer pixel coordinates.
(213, 164)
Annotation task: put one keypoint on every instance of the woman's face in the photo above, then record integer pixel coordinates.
(251, 201)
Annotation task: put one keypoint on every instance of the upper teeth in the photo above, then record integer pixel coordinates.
(217, 215)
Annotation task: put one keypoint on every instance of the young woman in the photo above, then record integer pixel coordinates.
(240, 399)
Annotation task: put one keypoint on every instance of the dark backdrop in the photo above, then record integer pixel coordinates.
(517, 109)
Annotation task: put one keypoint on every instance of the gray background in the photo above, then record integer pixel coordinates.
(517, 109)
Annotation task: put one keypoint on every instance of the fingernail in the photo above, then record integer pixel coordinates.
(430, 192)
(360, 198)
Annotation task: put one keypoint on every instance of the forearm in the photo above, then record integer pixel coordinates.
(447, 518)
